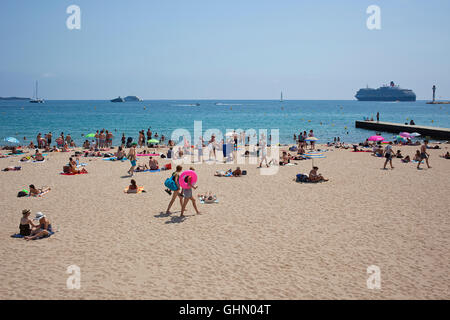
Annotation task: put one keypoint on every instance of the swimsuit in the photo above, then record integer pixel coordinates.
(25, 229)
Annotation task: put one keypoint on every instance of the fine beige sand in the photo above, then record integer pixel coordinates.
(267, 238)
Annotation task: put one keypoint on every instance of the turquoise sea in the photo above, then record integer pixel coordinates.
(328, 119)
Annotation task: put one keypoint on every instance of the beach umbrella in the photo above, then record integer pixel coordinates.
(405, 134)
(376, 138)
(11, 140)
(311, 139)
(313, 155)
(415, 134)
(90, 135)
(153, 141)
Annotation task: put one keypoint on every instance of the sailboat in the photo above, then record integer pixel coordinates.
(281, 97)
(36, 96)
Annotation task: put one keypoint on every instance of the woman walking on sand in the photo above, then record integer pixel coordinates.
(132, 157)
(176, 193)
(187, 194)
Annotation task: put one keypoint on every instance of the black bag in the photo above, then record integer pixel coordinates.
(22, 194)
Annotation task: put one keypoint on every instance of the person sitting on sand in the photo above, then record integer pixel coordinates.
(141, 168)
(446, 156)
(31, 145)
(237, 172)
(73, 167)
(65, 148)
(284, 159)
(35, 192)
(417, 156)
(120, 154)
(86, 144)
(301, 150)
(26, 224)
(314, 176)
(38, 156)
(132, 188)
(399, 154)
(153, 164)
(15, 151)
(407, 159)
(43, 229)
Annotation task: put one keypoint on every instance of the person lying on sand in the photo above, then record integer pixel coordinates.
(314, 176)
(446, 156)
(43, 229)
(35, 192)
(207, 198)
(222, 173)
(12, 169)
(25, 159)
(141, 168)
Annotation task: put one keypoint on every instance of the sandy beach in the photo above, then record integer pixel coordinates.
(267, 238)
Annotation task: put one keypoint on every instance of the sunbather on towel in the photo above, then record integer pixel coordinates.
(132, 188)
(12, 169)
(223, 173)
(38, 156)
(141, 167)
(36, 192)
(26, 224)
(207, 198)
(153, 164)
(237, 172)
(73, 167)
(407, 159)
(314, 176)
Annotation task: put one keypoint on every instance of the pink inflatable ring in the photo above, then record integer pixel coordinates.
(188, 173)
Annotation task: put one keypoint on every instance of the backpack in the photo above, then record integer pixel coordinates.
(22, 193)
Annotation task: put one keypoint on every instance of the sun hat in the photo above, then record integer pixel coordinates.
(25, 211)
(39, 216)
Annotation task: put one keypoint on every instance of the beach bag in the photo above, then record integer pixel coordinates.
(293, 148)
(22, 193)
(170, 184)
(301, 178)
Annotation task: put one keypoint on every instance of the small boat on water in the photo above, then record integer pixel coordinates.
(36, 96)
(118, 99)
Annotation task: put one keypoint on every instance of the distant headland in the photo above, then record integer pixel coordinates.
(13, 98)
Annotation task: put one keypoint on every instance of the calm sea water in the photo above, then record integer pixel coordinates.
(328, 119)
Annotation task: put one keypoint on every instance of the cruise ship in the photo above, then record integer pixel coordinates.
(389, 92)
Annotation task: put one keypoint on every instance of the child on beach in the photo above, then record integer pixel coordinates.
(187, 194)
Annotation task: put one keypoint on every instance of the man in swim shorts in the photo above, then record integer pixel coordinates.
(423, 154)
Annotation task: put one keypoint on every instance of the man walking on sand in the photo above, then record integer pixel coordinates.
(388, 154)
(423, 154)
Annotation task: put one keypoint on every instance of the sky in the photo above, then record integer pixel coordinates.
(234, 49)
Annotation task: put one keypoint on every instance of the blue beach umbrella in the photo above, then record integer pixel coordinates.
(11, 140)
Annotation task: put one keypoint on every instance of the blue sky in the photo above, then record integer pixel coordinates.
(208, 49)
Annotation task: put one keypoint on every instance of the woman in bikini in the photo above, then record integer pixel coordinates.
(176, 193)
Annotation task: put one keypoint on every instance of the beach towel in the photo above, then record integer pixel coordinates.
(39, 161)
(361, 151)
(148, 170)
(114, 159)
(139, 190)
(148, 154)
(19, 236)
(71, 173)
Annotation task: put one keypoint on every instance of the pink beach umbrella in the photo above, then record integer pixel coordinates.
(376, 138)
(405, 134)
